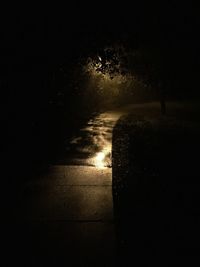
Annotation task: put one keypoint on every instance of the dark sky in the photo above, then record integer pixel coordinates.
(76, 25)
(47, 38)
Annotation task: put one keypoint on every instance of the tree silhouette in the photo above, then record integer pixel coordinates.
(143, 65)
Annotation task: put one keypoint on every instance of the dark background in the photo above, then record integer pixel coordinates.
(38, 45)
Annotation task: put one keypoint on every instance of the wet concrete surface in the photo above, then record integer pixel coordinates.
(65, 216)
(91, 145)
(67, 200)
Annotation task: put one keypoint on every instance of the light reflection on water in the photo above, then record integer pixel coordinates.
(93, 146)
(102, 159)
(99, 159)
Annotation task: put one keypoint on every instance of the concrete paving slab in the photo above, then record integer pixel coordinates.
(74, 175)
(76, 244)
(68, 203)
(66, 216)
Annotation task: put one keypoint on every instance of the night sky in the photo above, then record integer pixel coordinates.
(78, 27)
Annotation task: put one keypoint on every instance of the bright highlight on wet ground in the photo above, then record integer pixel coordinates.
(92, 145)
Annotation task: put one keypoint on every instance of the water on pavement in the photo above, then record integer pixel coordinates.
(69, 211)
(92, 145)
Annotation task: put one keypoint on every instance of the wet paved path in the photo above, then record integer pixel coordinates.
(92, 144)
(69, 211)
